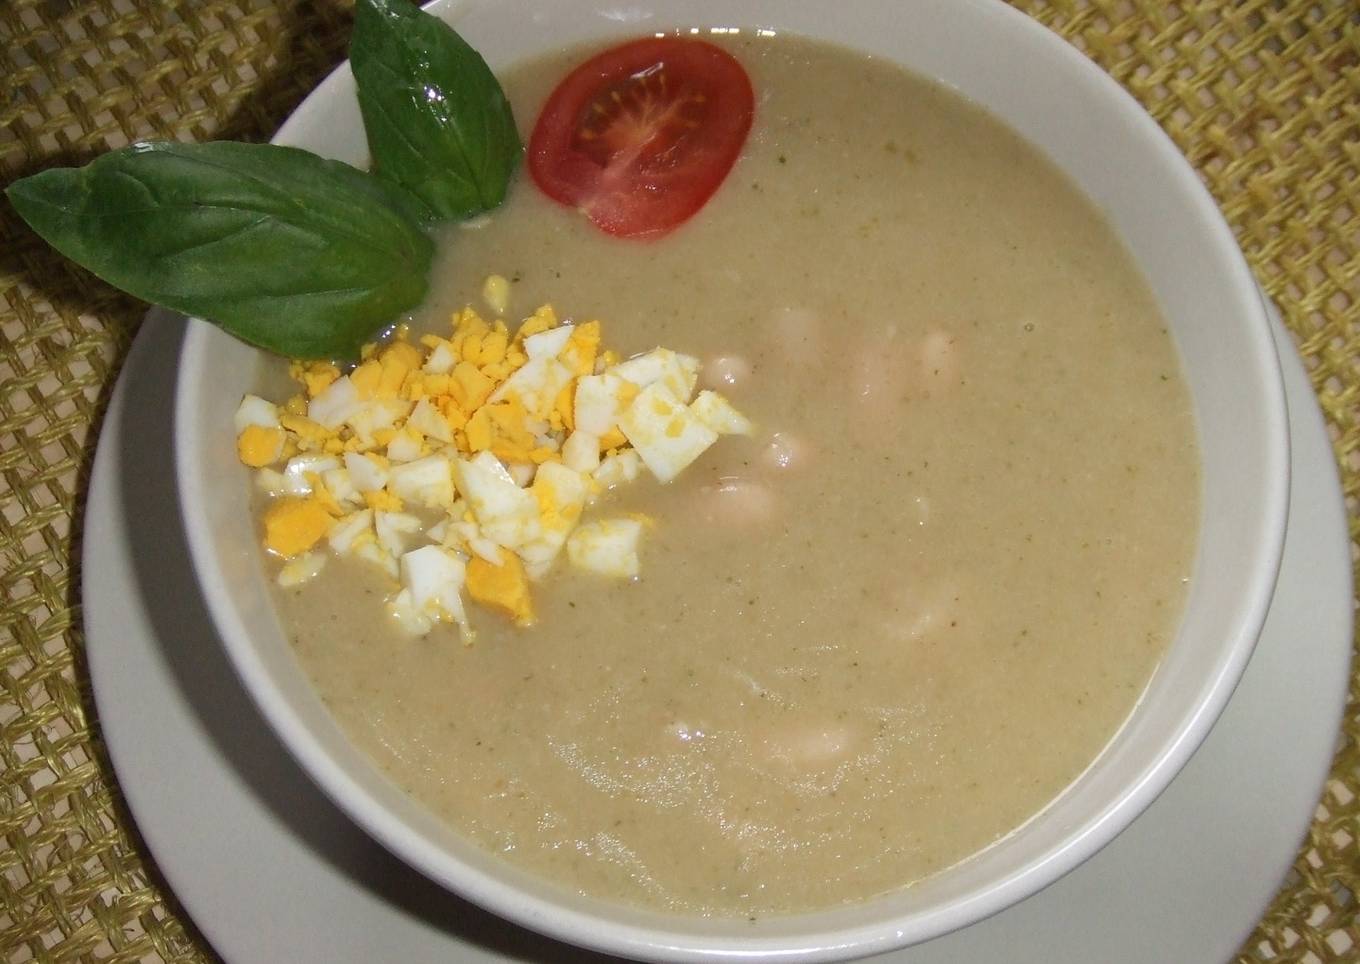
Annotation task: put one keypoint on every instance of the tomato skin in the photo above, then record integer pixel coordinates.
(640, 136)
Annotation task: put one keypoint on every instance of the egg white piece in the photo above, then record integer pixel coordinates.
(270, 481)
(366, 473)
(301, 569)
(369, 551)
(429, 421)
(427, 481)
(255, 410)
(607, 547)
(375, 415)
(407, 615)
(405, 446)
(338, 484)
(489, 462)
(617, 469)
(600, 400)
(347, 530)
(488, 550)
(676, 372)
(299, 467)
(393, 528)
(435, 577)
(441, 360)
(335, 404)
(581, 451)
(454, 532)
(506, 514)
(717, 413)
(664, 432)
(537, 384)
(561, 495)
(548, 344)
(438, 532)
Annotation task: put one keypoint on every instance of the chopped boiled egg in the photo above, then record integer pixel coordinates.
(393, 529)
(270, 482)
(407, 615)
(337, 484)
(718, 414)
(346, 532)
(375, 555)
(664, 432)
(536, 385)
(428, 420)
(607, 547)
(367, 472)
(618, 469)
(302, 569)
(292, 526)
(501, 584)
(427, 482)
(600, 400)
(336, 404)
(406, 445)
(300, 473)
(374, 418)
(434, 577)
(561, 496)
(466, 460)
(677, 373)
(255, 410)
(441, 359)
(507, 514)
(548, 344)
(258, 445)
(581, 451)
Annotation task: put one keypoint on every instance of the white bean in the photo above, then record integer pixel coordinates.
(885, 372)
(734, 501)
(726, 372)
(879, 381)
(799, 334)
(787, 452)
(921, 608)
(811, 746)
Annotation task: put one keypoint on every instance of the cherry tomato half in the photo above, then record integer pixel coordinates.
(640, 136)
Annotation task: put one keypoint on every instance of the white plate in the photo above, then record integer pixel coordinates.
(263, 862)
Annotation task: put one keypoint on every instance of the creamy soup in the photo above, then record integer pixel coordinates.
(890, 627)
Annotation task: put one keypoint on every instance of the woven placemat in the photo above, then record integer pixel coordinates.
(1263, 96)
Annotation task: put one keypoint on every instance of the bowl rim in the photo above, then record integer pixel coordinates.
(585, 929)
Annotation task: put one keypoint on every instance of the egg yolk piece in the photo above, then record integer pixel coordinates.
(503, 587)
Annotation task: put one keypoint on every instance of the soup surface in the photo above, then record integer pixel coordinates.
(889, 628)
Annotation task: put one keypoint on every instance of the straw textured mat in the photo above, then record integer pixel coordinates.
(1262, 95)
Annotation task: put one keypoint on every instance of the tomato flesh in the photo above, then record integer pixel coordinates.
(640, 136)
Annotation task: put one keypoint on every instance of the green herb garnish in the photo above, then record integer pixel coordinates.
(298, 255)
(295, 254)
(437, 120)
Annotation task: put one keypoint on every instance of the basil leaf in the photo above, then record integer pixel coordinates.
(437, 120)
(295, 254)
